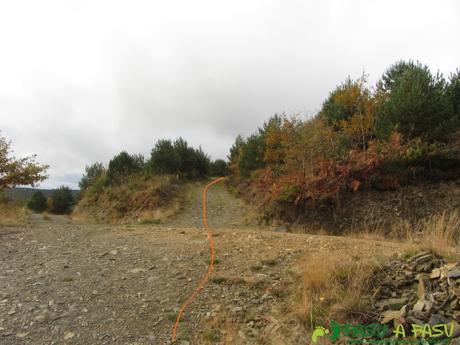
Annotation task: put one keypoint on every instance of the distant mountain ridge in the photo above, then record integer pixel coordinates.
(24, 193)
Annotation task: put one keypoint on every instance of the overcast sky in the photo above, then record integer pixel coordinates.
(82, 80)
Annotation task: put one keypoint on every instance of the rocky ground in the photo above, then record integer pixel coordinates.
(68, 282)
(422, 289)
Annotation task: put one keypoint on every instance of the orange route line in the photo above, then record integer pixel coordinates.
(208, 273)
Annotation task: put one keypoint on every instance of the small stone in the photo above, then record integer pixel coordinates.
(137, 270)
(456, 331)
(421, 258)
(422, 305)
(22, 334)
(113, 252)
(446, 268)
(414, 320)
(390, 315)
(241, 335)
(392, 303)
(423, 262)
(453, 272)
(40, 318)
(435, 274)
(437, 319)
(69, 335)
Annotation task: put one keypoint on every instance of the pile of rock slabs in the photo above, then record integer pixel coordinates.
(423, 289)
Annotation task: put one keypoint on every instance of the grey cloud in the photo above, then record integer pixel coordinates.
(83, 83)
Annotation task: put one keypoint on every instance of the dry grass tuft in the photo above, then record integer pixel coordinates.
(441, 234)
(12, 214)
(334, 288)
(219, 329)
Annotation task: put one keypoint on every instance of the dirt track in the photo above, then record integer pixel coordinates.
(67, 282)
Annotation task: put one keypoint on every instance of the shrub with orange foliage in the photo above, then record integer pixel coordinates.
(330, 177)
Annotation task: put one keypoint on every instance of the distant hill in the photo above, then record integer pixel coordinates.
(24, 193)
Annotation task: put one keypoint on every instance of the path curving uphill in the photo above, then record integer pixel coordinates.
(225, 211)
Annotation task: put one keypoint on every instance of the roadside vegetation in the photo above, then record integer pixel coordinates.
(403, 131)
(12, 212)
(13, 172)
(132, 188)
(61, 201)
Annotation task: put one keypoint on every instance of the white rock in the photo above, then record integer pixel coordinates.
(69, 335)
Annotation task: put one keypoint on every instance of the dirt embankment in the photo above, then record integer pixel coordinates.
(368, 211)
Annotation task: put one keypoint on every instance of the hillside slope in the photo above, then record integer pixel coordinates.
(388, 212)
(139, 199)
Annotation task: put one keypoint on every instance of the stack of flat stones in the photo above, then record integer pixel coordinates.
(423, 289)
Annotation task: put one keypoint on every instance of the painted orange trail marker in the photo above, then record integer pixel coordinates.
(208, 273)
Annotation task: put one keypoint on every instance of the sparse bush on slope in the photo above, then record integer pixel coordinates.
(123, 165)
(163, 158)
(61, 200)
(92, 174)
(177, 157)
(37, 202)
